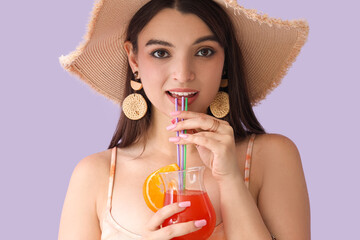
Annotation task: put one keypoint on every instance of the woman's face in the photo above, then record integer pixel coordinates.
(178, 55)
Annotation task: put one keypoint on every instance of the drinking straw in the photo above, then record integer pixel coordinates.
(177, 134)
(184, 157)
(182, 151)
(177, 145)
(182, 132)
(186, 108)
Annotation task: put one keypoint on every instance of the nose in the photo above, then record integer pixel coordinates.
(183, 70)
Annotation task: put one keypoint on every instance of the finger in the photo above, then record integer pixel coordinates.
(203, 140)
(179, 229)
(189, 114)
(211, 135)
(185, 114)
(189, 138)
(223, 138)
(202, 123)
(166, 212)
(183, 139)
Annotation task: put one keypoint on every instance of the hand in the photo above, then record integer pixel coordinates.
(215, 141)
(153, 230)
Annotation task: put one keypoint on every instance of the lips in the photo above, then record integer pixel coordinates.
(190, 94)
(182, 94)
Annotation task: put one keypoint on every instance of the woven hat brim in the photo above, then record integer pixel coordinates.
(269, 47)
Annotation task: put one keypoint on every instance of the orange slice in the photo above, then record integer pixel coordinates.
(153, 189)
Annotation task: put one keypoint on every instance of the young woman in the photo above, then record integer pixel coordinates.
(217, 54)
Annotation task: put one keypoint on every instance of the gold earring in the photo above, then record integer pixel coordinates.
(220, 107)
(134, 105)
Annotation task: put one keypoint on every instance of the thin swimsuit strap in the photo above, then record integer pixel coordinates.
(111, 177)
(248, 160)
(112, 227)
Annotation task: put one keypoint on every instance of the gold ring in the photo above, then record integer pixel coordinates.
(215, 126)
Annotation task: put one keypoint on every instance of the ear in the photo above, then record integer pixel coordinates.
(132, 58)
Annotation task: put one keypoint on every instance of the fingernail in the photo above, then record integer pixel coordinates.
(173, 121)
(174, 139)
(183, 135)
(171, 127)
(200, 223)
(175, 113)
(184, 204)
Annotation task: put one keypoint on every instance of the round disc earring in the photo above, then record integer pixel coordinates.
(220, 107)
(134, 105)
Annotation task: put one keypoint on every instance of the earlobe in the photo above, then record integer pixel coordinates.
(131, 55)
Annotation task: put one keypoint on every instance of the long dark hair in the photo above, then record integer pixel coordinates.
(241, 116)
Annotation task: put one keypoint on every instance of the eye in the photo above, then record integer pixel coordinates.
(160, 54)
(205, 52)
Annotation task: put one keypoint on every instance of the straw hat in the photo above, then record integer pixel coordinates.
(269, 47)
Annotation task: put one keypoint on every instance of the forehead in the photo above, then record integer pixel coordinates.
(174, 26)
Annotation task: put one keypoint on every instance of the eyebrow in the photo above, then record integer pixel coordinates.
(167, 44)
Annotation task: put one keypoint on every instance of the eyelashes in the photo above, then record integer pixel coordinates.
(163, 53)
(160, 53)
(205, 52)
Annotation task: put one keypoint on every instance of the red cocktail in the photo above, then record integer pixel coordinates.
(187, 185)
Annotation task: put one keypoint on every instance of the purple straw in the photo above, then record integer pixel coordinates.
(182, 132)
(178, 147)
(177, 134)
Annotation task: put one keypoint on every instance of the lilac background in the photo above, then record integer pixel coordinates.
(50, 120)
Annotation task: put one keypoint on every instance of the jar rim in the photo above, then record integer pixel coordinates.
(187, 170)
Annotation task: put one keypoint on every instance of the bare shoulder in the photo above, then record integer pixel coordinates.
(93, 167)
(279, 141)
(283, 198)
(276, 148)
(79, 218)
(92, 173)
(279, 160)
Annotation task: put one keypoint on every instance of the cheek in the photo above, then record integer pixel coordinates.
(211, 75)
(213, 69)
(151, 85)
(147, 67)
(210, 89)
(211, 78)
(152, 77)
